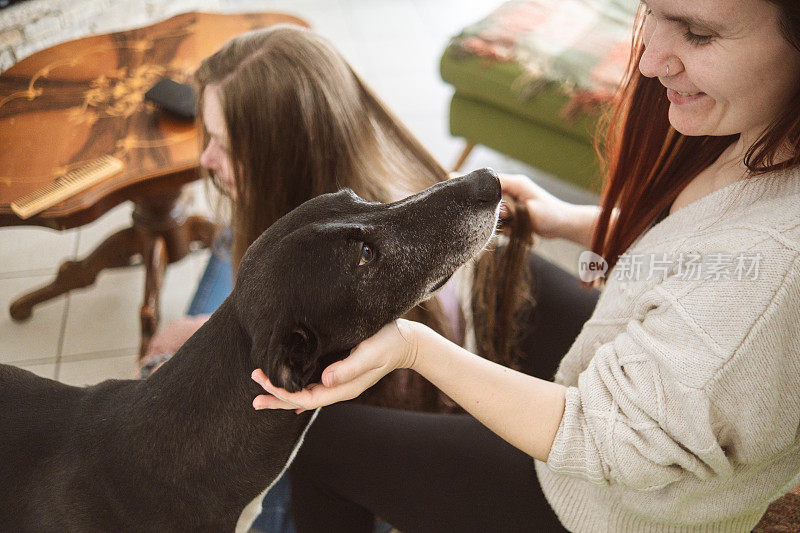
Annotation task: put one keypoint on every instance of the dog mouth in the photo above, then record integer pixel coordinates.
(439, 284)
(495, 222)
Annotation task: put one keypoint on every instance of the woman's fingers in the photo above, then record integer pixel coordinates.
(288, 400)
(516, 186)
(267, 401)
(309, 398)
(359, 362)
(258, 376)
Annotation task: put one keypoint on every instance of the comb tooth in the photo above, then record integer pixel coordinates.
(66, 185)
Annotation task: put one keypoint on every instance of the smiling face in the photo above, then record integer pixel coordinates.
(730, 68)
(216, 155)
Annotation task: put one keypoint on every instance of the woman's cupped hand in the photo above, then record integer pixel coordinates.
(394, 346)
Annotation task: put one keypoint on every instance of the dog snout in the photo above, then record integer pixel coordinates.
(485, 185)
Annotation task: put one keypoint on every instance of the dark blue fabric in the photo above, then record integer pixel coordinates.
(217, 281)
(276, 513)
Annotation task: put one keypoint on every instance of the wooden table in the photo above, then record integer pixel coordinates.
(65, 106)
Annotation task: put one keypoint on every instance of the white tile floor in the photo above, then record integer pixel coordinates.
(92, 334)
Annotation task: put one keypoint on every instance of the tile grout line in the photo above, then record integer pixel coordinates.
(34, 273)
(67, 298)
(98, 355)
(61, 336)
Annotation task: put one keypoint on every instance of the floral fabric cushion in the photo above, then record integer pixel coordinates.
(581, 45)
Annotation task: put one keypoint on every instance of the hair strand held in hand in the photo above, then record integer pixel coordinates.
(501, 290)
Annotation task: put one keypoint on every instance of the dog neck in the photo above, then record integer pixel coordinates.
(192, 424)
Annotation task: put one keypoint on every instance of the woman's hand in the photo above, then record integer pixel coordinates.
(549, 214)
(394, 346)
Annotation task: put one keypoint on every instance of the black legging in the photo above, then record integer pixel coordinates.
(436, 472)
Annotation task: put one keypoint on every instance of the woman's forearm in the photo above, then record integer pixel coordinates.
(523, 410)
(580, 222)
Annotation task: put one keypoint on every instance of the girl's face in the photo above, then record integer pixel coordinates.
(216, 156)
(730, 68)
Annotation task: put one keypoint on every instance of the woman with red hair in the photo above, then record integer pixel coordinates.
(676, 408)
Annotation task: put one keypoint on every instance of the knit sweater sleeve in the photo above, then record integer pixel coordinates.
(657, 402)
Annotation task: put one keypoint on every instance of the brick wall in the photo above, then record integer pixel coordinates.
(28, 27)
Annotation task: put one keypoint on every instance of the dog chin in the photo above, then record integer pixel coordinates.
(283, 378)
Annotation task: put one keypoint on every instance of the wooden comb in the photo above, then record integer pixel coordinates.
(67, 185)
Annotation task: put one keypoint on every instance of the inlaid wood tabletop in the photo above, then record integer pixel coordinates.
(70, 104)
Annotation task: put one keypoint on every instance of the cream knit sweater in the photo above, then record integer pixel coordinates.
(683, 400)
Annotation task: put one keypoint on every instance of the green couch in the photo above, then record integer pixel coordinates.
(511, 95)
(484, 110)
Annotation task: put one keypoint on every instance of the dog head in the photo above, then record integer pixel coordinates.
(332, 272)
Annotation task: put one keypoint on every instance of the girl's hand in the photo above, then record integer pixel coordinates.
(394, 346)
(549, 214)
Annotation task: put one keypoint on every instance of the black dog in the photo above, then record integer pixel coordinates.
(183, 450)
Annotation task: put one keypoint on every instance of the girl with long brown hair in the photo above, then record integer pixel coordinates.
(300, 123)
(676, 406)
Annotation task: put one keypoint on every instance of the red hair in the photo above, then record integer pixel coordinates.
(646, 162)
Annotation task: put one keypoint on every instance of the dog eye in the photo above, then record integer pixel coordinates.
(366, 255)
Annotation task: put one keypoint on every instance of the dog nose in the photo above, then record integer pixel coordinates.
(485, 185)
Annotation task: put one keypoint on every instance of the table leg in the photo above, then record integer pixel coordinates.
(167, 233)
(464, 154)
(155, 260)
(160, 234)
(116, 251)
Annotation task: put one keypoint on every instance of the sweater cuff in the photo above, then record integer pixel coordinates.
(569, 454)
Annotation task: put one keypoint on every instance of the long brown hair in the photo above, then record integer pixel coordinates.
(646, 162)
(501, 291)
(302, 123)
